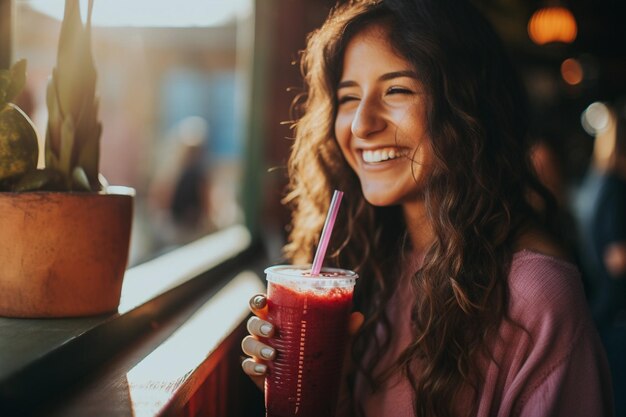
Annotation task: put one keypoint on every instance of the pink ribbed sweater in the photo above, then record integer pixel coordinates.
(555, 367)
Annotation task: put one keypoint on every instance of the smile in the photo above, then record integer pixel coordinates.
(382, 154)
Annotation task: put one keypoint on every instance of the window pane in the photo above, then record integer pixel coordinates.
(169, 99)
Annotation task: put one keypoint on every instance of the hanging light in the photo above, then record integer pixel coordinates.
(552, 24)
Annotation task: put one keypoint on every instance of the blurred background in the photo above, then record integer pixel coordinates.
(193, 94)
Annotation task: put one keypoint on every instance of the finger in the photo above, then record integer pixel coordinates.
(253, 368)
(256, 371)
(253, 347)
(259, 327)
(258, 301)
(356, 321)
(258, 305)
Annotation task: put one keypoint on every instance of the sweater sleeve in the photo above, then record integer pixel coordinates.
(577, 385)
(564, 371)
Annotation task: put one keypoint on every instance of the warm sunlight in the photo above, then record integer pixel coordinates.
(166, 368)
(152, 278)
(153, 13)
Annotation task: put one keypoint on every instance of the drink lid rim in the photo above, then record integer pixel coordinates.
(276, 270)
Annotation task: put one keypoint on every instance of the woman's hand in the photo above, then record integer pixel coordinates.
(254, 344)
(260, 330)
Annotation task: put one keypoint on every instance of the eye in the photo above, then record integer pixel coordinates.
(346, 98)
(398, 90)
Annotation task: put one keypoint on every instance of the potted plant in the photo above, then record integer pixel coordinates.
(64, 232)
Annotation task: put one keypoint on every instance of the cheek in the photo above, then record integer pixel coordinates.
(343, 134)
(424, 161)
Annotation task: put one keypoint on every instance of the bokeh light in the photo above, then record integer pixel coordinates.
(572, 71)
(552, 24)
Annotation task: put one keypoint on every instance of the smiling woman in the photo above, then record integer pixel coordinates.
(381, 120)
(470, 305)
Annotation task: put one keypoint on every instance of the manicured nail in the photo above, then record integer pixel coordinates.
(266, 329)
(258, 302)
(266, 353)
(260, 369)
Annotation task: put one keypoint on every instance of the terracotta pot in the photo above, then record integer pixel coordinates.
(63, 254)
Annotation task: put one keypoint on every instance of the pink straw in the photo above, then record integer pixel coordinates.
(326, 232)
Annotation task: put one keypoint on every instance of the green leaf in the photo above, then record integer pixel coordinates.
(73, 134)
(5, 81)
(68, 136)
(53, 132)
(104, 183)
(18, 80)
(12, 82)
(90, 154)
(52, 160)
(80, 179)
(39, 179)
(76, 71)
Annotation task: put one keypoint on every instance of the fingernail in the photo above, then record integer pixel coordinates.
(266, 329)
(260, 368)
(258, 301)
(267, 353)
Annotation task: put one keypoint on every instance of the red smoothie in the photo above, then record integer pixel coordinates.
(310, 341)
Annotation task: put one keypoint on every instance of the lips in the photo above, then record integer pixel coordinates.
(372, 156)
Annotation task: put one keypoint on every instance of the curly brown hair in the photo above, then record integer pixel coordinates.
(475, 196)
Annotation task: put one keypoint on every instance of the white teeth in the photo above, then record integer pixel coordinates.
(380, 155)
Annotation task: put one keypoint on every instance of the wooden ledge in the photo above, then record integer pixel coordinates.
(42, 360)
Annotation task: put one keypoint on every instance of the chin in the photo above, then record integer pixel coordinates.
(380, 199)
(387, 196)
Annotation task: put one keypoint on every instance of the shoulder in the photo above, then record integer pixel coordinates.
(542, 278)
(544, 284)
(538, 241)
(557, 343)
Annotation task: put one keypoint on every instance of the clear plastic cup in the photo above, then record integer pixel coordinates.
(310, 314)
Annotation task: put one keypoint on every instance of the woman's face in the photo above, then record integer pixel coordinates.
(381, 120)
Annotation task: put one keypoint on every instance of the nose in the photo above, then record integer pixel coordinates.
(367, 119)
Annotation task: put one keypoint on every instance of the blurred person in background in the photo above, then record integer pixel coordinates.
(179, 195)
(600, 209)
(550, 166)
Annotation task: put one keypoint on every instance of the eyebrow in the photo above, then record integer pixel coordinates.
(385, 77)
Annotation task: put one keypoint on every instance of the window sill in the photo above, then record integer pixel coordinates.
(154, 348)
